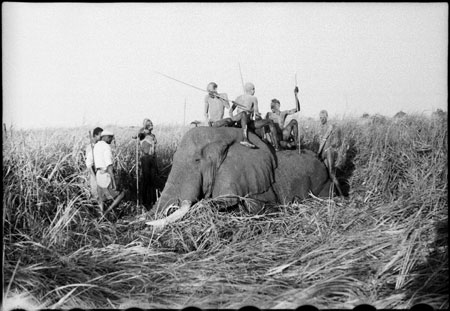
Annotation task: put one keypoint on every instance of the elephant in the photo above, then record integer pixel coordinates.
(210, 162)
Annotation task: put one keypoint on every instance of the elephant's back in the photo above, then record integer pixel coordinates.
(297, 174)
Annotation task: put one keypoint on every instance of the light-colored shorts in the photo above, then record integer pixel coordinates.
(104, 186)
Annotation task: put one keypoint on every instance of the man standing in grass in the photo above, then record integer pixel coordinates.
(90, 165)
(278, 117)
(106, 182)
(148, 163)
(330, 140)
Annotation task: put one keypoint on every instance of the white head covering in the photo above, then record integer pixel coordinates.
(107, 133)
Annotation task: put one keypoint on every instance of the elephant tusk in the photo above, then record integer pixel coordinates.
(169, 208)
(178, 214)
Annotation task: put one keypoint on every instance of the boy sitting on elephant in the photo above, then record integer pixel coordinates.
(247, 107)
(290, 131)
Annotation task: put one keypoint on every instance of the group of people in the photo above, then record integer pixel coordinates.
(273, 129)
(99, 163)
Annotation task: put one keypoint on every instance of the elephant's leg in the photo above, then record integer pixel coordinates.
(326, 190)
(304, 187)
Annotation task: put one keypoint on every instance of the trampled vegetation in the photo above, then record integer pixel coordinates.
(385, 245)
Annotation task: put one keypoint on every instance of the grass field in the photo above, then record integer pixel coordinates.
(386, 245)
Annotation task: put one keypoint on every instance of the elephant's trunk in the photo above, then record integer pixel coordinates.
(182, 185)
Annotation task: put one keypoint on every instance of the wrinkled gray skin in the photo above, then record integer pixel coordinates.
(210, 162)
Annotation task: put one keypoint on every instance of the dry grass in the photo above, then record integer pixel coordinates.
(387, 245)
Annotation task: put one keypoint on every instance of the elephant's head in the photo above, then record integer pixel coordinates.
(211, 162)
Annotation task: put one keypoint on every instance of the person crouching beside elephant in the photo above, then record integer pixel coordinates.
(148, 164)
(106, 182)
(247, 107)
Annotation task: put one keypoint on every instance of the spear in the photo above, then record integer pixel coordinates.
(242, 79)
(217, 95)
(297, 103)
(92, 150)
(137, 172)
(184, 114)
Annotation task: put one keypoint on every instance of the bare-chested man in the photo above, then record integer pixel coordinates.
(330, 140)
(278, 117)
(215, 104)
(247, 107)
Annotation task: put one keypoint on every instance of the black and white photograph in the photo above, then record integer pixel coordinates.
(222, 155)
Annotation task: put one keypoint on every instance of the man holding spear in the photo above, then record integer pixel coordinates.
(248, 116)
(248, 106)
(215, 104)
(278, 117)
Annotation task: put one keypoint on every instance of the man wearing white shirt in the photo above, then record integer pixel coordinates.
(106, 183)
(90, 165)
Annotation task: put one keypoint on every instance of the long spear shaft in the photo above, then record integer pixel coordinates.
(184, 114)
(195, 87)
(242, 79)
(92, 150)
(137, 172)
(297, 103)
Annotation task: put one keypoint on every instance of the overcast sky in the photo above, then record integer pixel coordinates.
(73, 64)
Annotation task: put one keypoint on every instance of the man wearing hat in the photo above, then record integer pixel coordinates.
(106, 183)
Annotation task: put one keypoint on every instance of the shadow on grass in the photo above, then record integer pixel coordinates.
(345, 171)
(431, 283)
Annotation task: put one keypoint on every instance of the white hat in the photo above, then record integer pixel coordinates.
(107, 133)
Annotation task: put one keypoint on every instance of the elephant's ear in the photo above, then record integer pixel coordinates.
(212, 155)
(246, 171)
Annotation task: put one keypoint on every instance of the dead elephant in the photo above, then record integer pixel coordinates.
(210, 162)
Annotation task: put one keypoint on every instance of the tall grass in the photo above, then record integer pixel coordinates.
(385, 245)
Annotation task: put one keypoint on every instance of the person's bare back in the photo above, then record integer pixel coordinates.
(248, 101)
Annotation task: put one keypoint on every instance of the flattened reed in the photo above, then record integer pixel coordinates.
(385, 245)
